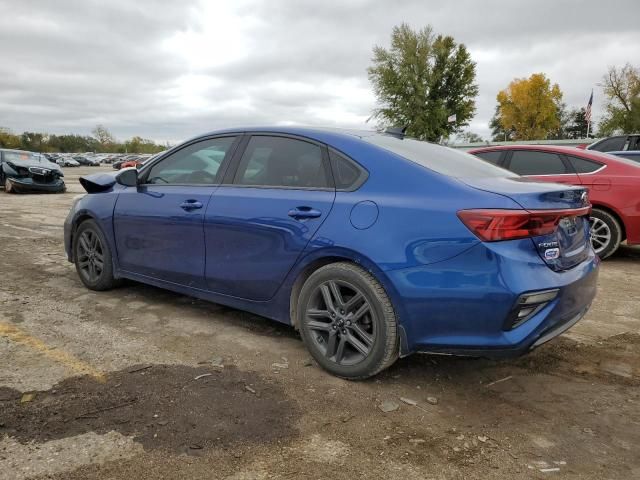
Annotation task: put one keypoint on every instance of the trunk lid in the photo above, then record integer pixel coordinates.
(570, 244)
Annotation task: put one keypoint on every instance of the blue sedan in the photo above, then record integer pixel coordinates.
(371, 244)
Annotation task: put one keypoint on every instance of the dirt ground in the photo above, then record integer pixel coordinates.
(146, 384)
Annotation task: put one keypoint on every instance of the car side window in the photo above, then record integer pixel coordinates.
(282, 162)
(580, 165)
(491, 157)
(197, 164)
(531, 162)
(347, 174)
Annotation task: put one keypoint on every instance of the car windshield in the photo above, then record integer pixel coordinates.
(446, 161)
(20, 156)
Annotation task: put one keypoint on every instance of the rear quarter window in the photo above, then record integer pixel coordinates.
(581, 165)
(348, 175)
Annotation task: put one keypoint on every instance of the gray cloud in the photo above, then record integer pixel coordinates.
(170, 70)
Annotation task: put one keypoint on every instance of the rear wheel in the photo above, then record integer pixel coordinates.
(606, 233)
(92, 257)
(347, 321)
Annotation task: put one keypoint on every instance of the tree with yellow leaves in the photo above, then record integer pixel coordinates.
(529, 107)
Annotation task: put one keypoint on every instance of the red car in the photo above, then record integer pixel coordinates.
(613, 183)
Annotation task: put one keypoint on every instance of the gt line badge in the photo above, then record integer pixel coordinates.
(551, 253)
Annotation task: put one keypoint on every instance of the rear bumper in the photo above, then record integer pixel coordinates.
(459, 306)
(632, 228)
(24, 185)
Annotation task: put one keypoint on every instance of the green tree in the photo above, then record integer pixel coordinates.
(421, 80)
(577, 127)
(142, 145)
(104, 138)
(621, 87)
(470, 137)
(564, 120)
(498, 132)
(530, 106)
(8, 139)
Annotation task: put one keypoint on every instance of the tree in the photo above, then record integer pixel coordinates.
(498, 132)
(421, 81)
(621, 87)
(530, 106)
(564, 120)
(470, 137)
(577, 127)
(8, 139)
(104, 138)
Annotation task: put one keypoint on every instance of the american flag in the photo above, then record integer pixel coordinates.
(587, 114)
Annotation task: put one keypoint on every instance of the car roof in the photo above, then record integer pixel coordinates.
(595, 155)
(320, 134)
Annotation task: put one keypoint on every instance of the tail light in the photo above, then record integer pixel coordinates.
(494, 225)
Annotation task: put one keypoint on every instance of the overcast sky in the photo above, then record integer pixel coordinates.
(169, 70)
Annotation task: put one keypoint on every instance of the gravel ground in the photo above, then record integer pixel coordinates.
(143, 383)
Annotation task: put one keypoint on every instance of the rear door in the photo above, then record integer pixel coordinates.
(261, 219)
(159, 224)
(542, 166)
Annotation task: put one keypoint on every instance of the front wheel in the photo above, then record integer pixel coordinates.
(92, 256)
(347, 322)
(8, 186)
(606, 233)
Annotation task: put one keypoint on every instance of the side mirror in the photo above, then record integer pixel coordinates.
(128, 177)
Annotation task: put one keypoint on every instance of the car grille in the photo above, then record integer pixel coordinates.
(42, 175)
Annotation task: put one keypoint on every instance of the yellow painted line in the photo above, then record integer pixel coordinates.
(16, 335)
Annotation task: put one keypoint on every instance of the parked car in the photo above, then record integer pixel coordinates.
(67, 162)
(23, 172)
(616, 143)
(86, 161)
(613, 184)
(117, 165)
(372, 245)
(633, 155)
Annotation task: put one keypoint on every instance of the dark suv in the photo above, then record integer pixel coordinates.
(616, 143)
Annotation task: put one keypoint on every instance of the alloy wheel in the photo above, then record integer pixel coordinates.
(90, 255)
(341, 322)
(600, 234)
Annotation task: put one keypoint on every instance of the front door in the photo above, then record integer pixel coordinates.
(159, 224)
(258, 224)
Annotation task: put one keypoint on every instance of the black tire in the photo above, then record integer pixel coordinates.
(606, 233)
(354, 337)
(92, 257)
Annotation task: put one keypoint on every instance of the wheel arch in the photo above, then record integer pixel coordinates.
(79, 218)
(312, 262)
(611, 211)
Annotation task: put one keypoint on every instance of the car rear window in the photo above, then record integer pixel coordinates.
(582, 165)
(443, 160)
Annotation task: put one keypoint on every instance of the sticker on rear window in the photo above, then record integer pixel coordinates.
(551, 253)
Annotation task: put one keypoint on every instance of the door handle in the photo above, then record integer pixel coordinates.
(189, 205)
(304, 213)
